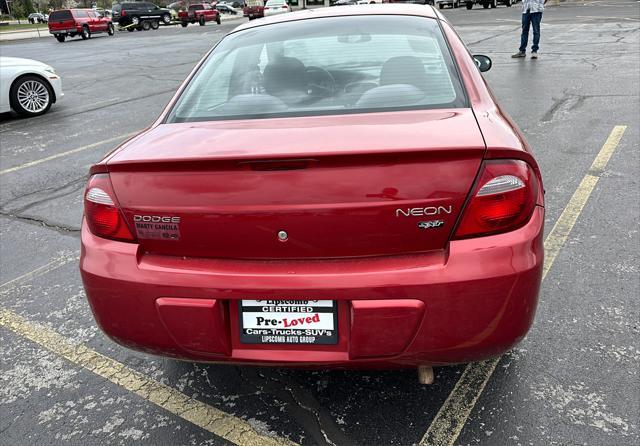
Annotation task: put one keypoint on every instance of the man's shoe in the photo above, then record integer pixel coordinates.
(534, 55)
(519, 54)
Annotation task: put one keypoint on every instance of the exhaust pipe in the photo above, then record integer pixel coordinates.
(425, 374)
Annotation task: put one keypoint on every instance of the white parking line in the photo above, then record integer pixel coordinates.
(68, 152)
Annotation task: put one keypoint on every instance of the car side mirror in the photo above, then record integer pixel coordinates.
(482, 62)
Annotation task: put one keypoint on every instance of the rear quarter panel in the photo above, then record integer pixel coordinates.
(501, 134)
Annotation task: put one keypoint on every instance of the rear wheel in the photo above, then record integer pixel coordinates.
(60, 38)
(455, 4)
(146, 26)
(111, 30)
(131, 29)
(201, 21)
(155, 24)
(218, 19)
(166, 19)
(184, 24)
(485, 5)
(469, 5)
(507, 3)
(494, 3)
(440, 5)
(86, 34)
(30, 96)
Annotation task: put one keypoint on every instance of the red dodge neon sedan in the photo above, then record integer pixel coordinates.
(328, 188)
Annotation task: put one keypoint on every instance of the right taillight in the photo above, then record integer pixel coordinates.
(503, 199)
(101, 211)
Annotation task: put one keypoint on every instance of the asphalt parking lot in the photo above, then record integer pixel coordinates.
(574, 380)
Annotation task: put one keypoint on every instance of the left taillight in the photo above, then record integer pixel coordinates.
(101, 210)
(503, 199)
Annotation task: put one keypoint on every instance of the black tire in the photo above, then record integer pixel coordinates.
(494, 4)
(184, 24)
(166, 19)
(455, 4)
(485, 5)
(441, 5)
(155, 24)
(60, 38)
(139, 28)
(201, 21)
(40, 85)
(146, 26)
(86, 33)
(218, 19)
(111, 30)
(131, 29)
(469, 5)
(507, 3)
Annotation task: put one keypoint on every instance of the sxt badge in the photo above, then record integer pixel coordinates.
(430, 224)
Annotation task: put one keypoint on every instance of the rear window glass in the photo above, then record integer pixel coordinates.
(335, 65)
(195, 7)
(58, 16)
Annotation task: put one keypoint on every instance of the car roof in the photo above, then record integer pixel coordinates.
(342, 11)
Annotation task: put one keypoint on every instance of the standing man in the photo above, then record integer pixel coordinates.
(531, 15)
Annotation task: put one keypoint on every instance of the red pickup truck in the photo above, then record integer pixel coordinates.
(199, 12)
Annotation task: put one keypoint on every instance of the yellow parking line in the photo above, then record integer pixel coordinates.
(207, 417)
(454, 413)
(68, 152)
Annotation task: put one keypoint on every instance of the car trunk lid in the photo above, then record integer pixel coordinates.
(320, 187)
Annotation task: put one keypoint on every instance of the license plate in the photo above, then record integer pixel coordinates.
(288, 322)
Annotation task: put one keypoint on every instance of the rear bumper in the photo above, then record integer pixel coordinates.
(65, 31)
(471, 303)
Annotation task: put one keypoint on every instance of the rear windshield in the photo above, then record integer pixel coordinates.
(196, 7)
(336, 65)
(59, 16)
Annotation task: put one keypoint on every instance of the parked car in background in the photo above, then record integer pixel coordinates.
(78, 22)
(274, 7)
(451, 3)
(328, 190)
(416, 2)
(225, 8)
(137, 12)
(27, 86)
(37, 17)
(200, 13)
(344, 3)
(489, 3)
(253, 9)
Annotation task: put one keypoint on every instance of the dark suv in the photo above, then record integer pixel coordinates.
(136, 12)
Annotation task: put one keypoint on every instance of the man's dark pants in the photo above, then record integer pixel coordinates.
(530, 19)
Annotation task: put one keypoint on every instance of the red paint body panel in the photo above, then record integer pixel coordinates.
(196, 325)
(460, 300)
(479, 297)
(372, 321)
(344, 199)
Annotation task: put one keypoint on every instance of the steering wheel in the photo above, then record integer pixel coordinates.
(320, 83)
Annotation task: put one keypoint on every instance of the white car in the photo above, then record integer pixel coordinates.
(27, 86)
(273, 7)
